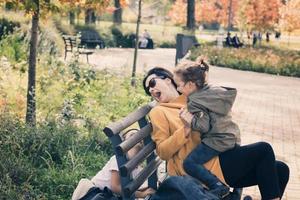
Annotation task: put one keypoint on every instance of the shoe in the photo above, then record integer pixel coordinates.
(247, 197)
(221, 190)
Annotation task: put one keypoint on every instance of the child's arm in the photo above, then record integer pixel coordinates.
(186, 118)
(200, 122)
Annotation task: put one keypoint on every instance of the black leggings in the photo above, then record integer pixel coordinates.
(255, 164)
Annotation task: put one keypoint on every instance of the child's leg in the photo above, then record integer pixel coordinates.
(193, 164)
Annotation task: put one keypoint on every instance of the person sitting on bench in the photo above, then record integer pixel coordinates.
(108, 178)
(242, 166)
(228, 40)
(236, 42)
(146, 40)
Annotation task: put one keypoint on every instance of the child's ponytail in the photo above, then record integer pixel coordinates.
(194, 71)
(202, 63)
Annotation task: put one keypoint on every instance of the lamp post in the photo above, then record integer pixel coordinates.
(133, 81)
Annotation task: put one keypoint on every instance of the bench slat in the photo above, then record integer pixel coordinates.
(140, 179)
(136, 138)
(117, 127)
(137, 159)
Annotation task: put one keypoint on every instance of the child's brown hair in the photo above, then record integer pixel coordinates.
(194, 71)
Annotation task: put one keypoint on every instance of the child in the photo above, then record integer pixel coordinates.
(108, 178)
(208, 112)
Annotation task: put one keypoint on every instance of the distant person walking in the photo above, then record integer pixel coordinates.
(268, 37)
(277, 35)
(254, 39)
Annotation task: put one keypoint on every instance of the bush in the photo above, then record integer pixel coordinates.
(13, 47)
(167, 44)
(114, 37)
(125, 41)
(265, 59)
(49, 159)
(68, 144)
(7, 27)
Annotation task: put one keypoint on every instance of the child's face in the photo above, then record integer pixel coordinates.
(185, 88)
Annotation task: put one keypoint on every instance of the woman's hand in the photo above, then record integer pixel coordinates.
(144, 192)
(186, 118)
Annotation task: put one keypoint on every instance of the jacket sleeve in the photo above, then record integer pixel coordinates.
(200, 122)
(167, 143)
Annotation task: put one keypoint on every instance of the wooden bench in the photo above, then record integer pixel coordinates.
(149, 172)
(72, 45)
(91, 39)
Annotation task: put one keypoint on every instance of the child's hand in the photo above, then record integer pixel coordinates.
(144, 192)
(187, 131)
(186, 117)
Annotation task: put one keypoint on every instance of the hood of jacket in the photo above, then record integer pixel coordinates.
(214, 98)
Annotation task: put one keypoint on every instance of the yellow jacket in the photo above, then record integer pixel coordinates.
(171, 143)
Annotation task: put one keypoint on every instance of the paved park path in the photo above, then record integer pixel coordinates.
(267, 107)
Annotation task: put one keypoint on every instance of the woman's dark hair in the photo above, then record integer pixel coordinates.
(195, 72)
(161, 72)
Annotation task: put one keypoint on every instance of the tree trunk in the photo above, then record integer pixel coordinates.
(31, 102)
(118, 13)
(72, 17)
(133, 83)
(229, 16)
(90, 16)
(78, 11)
(190, 24)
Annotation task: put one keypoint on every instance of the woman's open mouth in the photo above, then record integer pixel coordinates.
(156, 95)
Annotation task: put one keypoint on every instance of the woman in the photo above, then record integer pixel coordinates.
(107, 181)
(243, 166)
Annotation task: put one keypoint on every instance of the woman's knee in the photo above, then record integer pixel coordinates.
(283, 171)
(266, 149)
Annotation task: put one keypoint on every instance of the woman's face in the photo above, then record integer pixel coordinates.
(160, 88)
(186, 88)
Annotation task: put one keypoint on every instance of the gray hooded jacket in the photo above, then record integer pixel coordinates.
(211, 107)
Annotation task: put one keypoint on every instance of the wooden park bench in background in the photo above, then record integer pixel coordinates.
(91, 39)
(149, 172)
(73, 45)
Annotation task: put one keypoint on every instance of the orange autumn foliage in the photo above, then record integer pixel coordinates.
(290, 16)
(206, 11)
(178, 12)
(262, 15)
